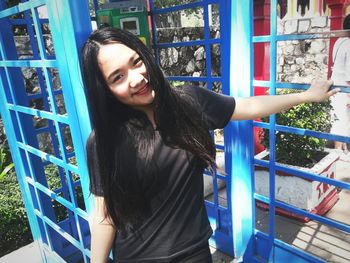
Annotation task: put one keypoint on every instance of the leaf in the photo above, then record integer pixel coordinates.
(6, 170)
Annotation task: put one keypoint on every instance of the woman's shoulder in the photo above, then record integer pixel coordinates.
(191, 91)
(342, 42)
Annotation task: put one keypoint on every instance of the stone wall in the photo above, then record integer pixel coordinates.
(188, 61)
(299, 61)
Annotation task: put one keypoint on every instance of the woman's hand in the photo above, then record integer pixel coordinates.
(261, 106)
(319, 91)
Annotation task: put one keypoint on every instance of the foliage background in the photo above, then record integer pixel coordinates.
(296, 149)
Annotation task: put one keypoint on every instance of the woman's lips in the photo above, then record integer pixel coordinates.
(142, 91)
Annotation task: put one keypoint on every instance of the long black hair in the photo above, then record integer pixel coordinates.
(346, 22)
(128, 183)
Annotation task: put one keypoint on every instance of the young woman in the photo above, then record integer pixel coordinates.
(341, 77)
(149, 146)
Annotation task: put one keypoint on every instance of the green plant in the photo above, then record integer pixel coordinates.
(14, 226)
(5, 164)
(295, 149)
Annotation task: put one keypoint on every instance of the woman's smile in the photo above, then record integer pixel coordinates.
(143, 91)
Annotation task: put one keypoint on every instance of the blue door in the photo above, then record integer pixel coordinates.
(45, 116)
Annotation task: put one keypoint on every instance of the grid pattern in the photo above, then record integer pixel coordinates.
(210, 15)
(40, 117)
(52, 175)
(268, 246)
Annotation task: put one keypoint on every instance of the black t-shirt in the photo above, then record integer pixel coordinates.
(178, 226)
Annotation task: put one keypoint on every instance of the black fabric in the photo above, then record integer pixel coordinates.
(177, 229)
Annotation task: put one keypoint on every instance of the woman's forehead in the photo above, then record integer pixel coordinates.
(115, 55)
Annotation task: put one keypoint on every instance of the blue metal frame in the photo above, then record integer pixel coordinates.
(266, 246)
(69, 238)
(240, 144)
(219, 216)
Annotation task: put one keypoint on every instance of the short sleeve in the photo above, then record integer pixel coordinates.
(92, 162)
(216, 108)
(347, 61)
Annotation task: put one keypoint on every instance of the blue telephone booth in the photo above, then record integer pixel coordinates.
(53, 177)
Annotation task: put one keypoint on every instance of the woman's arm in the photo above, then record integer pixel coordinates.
(261, 106)
(102, 234)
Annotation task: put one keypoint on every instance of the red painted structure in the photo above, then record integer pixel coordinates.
(261, 55)
(338, 8)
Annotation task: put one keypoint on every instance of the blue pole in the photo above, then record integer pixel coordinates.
(240, 145)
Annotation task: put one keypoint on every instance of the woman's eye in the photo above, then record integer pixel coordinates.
(138, 62)
(117, 77)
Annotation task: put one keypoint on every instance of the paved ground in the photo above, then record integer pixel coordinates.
(31, 254)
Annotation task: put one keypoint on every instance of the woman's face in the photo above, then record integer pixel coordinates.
(126, 75)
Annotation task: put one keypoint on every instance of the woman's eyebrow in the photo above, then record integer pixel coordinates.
(131, 59)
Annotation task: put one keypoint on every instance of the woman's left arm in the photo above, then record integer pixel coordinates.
(262, 106)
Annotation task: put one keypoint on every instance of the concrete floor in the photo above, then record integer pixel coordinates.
(31, 254)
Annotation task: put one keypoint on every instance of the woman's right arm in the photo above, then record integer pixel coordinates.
(102, 234)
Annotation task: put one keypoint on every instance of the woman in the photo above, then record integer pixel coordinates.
(341, 77)
(149, 146)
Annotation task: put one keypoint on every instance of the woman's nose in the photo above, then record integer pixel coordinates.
(135, 78)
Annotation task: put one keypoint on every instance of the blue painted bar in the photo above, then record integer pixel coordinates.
(305, 132)
(297, 86)
(39, 38)
(321, 219)
(189, 78)
(48, 157)
(272, 137)
(154, 32)
(39, 113)
(24, 63)
(295, 210)
(289, 37)
(240, 144)
(21, 7)
(189, 43)
(20, 21)
(165, 10)
(59, 230)
(58, 198)
(68, 17)
(304, 174)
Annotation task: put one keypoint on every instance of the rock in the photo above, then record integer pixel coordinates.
(200, 64)
(293, 68)
(297, 50)
(199, 53)
(288, 50)
(279, 26)
(190, 67)
(289, 59)
(300, 61)
(303, 26)
(319, 58)
(291, 26)
(317, 47)
(196, 74)
(279, 69)
(281, 61)
(319, 21)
